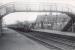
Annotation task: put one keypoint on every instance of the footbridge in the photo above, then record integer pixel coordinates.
(38, 7)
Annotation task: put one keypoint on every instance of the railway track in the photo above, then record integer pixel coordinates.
(51, 42)
(42, 42)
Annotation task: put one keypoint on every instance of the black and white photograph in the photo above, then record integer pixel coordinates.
(37, 24)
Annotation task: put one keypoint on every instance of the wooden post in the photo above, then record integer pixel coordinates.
(1, 31)
(42, 25)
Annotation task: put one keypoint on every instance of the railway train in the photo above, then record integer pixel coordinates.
(20, 27)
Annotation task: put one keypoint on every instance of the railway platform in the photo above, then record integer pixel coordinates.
(55, 32)
(13, 40)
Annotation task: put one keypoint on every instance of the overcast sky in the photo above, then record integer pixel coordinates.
(50, 1)
(11, 18)
(22, 16)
